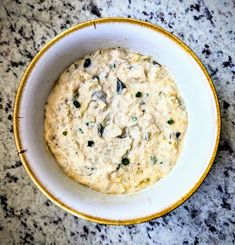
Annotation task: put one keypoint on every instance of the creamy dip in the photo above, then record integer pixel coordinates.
(115, 121)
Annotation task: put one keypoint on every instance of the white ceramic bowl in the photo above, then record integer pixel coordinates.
(194, 83)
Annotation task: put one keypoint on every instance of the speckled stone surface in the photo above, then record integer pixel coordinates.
(26, 215)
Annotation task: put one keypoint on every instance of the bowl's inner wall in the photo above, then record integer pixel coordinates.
(193, 85)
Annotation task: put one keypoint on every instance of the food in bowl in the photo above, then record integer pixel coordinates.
(115, 121)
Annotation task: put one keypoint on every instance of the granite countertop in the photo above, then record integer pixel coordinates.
(26, 215)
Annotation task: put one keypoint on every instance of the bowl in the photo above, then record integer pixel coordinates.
(196, 88)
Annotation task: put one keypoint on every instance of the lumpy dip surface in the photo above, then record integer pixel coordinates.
(115, 121)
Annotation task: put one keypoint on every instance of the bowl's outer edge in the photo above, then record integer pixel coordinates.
(22, 151)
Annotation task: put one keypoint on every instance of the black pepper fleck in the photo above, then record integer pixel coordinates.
(90, 143)
(87, 63)
(138, 94)
(76, 104)
(177, 134)
(125, 161)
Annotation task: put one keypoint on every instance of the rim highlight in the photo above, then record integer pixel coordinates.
(16, 121)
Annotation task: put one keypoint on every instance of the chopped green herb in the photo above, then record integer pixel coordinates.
(138, 94)
(118, 166)
(87, 63)
(125, 161)
(80, 130)
(170, 121)
(90, 143)
(153, 159)
(133, 119)
(65, 133)
(76, 104)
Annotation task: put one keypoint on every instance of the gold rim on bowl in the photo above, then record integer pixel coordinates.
(21, 151)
